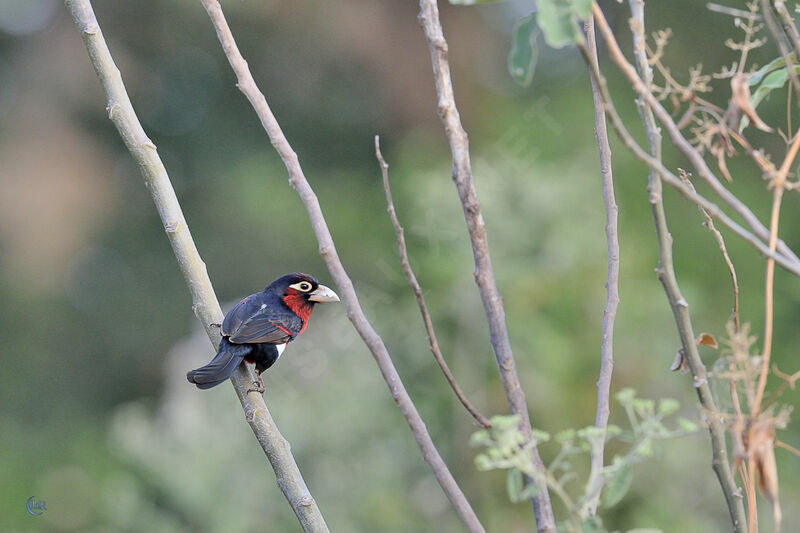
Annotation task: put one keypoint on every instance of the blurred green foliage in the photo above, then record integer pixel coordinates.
(96, 418)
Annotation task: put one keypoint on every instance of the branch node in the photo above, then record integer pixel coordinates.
(172, 225)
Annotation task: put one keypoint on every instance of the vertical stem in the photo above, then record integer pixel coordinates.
(484, 273)
(612, 280)
(666, 274)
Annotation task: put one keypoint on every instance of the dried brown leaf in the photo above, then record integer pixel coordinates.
(740, 101)
(680, 362)
(761, 445)
(706, 339)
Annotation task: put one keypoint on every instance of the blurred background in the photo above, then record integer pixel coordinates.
(96, 418)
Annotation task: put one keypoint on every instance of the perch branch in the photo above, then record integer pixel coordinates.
(204, 301)
(596, 478)
(412, 281)
(682, 144)
(327, 250)
(484, 274)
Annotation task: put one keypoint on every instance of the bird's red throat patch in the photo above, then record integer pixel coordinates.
(296, 301)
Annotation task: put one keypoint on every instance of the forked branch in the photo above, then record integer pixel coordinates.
(412, 280)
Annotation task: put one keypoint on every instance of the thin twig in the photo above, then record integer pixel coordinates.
(204, 301)
(596, 477)
(709, 223)
(666, 273)
(327, 250)
(484, 273)
(777, 196)
(412, 281)
(726, 10)
(680, 142)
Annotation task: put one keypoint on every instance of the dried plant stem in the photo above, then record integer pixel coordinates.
(778, 186)
(484, 273)
(596, 478)
(204, 301)
(415, 286)
(682, 144)
(327, 250)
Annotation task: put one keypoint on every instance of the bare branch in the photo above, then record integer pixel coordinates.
(709, 223)
(726, 10)
(412, 280)
(680, 142)
(596, 478)
(665, 270)
(204, 301)
(327, 250)
(484, 273)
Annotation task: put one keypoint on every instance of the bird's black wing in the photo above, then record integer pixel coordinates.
(259, 318)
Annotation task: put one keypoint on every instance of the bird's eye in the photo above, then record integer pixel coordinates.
(304, 286)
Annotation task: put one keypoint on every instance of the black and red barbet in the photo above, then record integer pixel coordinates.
(257, 329)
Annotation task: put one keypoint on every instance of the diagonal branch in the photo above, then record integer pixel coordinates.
(484, 274)
(204, 301)
(412, 280)
(327, 250)
(612, 280)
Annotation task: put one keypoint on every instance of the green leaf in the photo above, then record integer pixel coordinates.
(617, 486)
(482, 462)
(569, 434)
(581, 8)
(763, 71)
(502, 422)
(625, 396)
(514, 484)
(530, 491)
(539, 435)
(667, 406)
(687, 425)
(555, 20)
(644, 530)
(592, 525)
(479, 437)
(523, 53)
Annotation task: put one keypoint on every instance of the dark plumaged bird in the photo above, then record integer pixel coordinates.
(257, 329)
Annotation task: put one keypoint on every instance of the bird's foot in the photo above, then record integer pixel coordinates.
(215, 325)
(258, 386)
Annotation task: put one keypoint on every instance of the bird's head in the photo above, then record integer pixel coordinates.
(300, 292)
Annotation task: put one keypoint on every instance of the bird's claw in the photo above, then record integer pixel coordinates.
(258, 386)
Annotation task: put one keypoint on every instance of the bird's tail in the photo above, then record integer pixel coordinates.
(220, 368)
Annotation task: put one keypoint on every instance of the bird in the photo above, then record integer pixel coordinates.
(258, 328)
